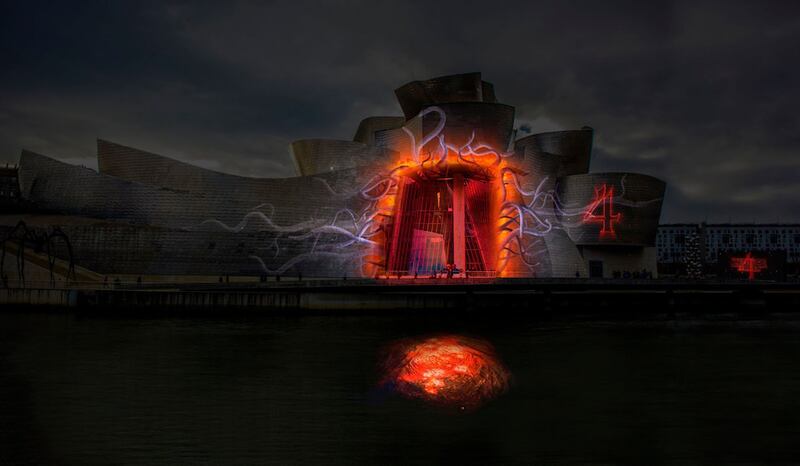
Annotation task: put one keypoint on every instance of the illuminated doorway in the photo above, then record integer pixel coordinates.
(442, 223)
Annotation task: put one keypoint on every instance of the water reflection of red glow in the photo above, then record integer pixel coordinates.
(449, 370)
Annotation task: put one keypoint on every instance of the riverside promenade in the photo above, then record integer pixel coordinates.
(542, 296)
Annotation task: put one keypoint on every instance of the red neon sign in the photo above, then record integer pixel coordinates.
(749, 264)
(601, 211)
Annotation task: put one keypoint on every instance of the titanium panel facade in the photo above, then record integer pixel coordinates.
(417, 95)
(365, 133)
(144, 213)
(573, 148)
(294, 216)
(131, 164)
(316, 156)
(636, 199)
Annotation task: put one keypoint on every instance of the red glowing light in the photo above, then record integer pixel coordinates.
(749, 264)
(601, 211)
(451, 371)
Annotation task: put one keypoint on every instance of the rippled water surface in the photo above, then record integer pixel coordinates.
(306, 390)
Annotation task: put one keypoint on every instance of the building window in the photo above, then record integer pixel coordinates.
(749, 238)
(726, 239)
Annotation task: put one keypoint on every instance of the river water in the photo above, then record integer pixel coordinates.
(88, 390)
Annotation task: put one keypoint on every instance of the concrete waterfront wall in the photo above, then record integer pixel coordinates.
(39, 297)
(548, 299)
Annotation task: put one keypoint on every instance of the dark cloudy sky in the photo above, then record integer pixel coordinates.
(703, 95)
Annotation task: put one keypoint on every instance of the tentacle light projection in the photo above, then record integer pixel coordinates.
(345, 237)
(526, 212)
(523, 224)
(433, 157)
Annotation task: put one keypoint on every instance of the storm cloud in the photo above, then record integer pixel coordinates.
(700, 94)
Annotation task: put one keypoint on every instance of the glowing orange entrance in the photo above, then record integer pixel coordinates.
(442, 224)
(439, 208)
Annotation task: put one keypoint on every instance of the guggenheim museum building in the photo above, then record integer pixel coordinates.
(443, 188)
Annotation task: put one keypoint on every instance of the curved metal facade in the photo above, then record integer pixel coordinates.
(131, 164)
(490, 123)
(627, 205)
(365, 133)
(540, 167)
(416, 95)
(289, 219)
(77, 190)
(316, 156)
(573, 148)
(338, 218)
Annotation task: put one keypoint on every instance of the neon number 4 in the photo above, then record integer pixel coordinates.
(749, 265)
(601, 211)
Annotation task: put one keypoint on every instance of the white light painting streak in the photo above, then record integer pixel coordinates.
(349, 237)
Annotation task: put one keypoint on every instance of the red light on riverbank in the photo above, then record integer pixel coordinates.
(448, 370)
(749, 265)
